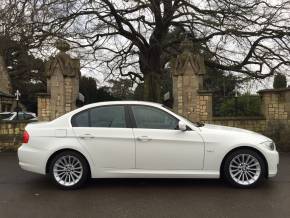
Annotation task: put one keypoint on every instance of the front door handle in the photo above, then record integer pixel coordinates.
(144, 138)
(87, 136)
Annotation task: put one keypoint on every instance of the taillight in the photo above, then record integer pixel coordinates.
(25, 137)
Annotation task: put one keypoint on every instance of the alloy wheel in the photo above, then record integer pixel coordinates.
(68, 170)
(245, 169)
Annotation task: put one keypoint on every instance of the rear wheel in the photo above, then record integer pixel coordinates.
(244, 168)
(69, 170)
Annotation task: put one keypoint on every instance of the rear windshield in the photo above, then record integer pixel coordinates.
(5, 116)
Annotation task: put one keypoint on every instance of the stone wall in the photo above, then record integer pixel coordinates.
(274, 122)
(203, 105)
(256, 124)
(276, 103)
(43, 106)
(276, 110)
(194, 103)
(11, 135)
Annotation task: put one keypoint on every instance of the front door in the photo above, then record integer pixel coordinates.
(105, 134)
(160, 145)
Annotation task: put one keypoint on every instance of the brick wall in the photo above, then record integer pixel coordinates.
(43, 107)
(274, 122)
(11, 135)
(256, 124)
(195, 104)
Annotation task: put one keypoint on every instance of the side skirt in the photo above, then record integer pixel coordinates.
(140, 173)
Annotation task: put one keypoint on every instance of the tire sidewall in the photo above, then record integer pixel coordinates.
(226, 168)
(85, 166)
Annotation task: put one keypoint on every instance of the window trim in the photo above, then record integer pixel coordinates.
(131, 116)
(127, 118)
(134, 124)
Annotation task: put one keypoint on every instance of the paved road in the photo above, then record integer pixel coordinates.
(24, 194)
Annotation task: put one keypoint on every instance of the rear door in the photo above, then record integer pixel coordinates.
(105, 133)
(160, 145)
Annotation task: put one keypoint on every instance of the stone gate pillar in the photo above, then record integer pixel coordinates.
(275, 107)
(188, 70)
(63, 73)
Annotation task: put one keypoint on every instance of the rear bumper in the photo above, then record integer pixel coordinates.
(32, 159)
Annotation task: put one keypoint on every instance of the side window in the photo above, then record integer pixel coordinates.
(153, 118)
(108, 116)
(81, 119)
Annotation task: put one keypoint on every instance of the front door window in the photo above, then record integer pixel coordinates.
(147, 117)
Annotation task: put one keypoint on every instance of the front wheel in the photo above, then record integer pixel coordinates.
(69, 170)
(244, 168)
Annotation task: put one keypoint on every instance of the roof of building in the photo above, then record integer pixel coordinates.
(6, 95)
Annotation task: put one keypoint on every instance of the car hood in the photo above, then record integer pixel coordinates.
(233, 131)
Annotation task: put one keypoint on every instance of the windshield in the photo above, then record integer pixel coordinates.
(5, 116)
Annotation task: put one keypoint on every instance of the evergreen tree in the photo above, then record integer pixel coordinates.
(280, 81)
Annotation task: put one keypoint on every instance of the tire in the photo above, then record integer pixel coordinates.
(69, 170)
(244, 168)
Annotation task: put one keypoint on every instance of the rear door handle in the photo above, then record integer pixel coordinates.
(144, 138)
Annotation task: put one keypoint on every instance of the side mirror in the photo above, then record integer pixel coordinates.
(182, 126)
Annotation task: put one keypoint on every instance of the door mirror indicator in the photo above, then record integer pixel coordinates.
(182, 126)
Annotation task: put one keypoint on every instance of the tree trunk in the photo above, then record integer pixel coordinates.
(152, 87)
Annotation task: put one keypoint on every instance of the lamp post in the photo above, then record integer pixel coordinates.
(17, 94)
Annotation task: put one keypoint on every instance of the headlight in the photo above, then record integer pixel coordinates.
(270, 145)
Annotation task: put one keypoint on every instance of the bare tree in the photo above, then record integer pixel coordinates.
(22, 34)
(130, 37)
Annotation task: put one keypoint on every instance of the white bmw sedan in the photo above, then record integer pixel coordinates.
(132, 139)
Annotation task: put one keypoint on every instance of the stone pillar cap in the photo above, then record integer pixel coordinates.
(274, 90)
(62, 45)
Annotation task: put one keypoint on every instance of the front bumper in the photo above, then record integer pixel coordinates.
(273, 161)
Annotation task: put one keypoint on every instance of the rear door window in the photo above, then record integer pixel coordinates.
(81, 119)
(103, 116)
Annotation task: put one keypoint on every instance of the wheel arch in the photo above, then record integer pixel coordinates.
(244, 147)
(62, 150)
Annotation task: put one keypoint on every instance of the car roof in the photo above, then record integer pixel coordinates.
(103, 103)
(60, 120)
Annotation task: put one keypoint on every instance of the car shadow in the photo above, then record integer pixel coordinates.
(154, 183)
(183, 185)
(44, 183)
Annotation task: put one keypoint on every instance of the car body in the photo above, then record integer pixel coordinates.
(134, 139)
(11, 116)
